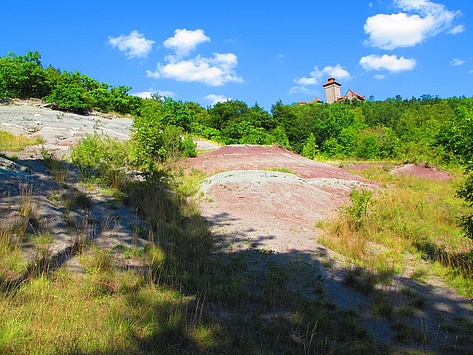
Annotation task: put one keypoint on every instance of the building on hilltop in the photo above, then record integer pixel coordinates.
(316, 101)
(332, 92)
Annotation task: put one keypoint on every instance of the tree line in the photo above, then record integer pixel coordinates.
(428, 128)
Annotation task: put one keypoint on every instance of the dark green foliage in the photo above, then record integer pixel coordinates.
(22, 76)
(223, 112)
(241, 124)
(456, 136)
(176, 113)
(70, 95)
(155, 138)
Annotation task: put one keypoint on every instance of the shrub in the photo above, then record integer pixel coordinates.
(104, 157)
(310, 148)
(466, 193)
(358, 208)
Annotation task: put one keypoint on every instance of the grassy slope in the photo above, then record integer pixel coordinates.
(181, 300)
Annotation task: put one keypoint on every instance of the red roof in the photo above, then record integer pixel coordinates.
(359, 97)
(330, 81)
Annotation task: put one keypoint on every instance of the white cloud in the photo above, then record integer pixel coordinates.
(379, 76)
(299, 89)
(184, 41)
(457, 29)
(215, 71)
(147, 94)
(390, 31)
(133, 45)
(317, 76)
(457, 61)
(213, 99)
(387, 62)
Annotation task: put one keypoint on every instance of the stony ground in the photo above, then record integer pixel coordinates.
(264, 198)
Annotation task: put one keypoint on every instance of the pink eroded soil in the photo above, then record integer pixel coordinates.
(247, 201)
(423, 171)
(252, 157)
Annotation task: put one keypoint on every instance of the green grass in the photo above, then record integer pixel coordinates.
(14, 143)
(12, 261)
(181, 295)
(397, 230)
(283, 170)
(410, 217)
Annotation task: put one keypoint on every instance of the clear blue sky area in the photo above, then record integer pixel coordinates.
(255, 51)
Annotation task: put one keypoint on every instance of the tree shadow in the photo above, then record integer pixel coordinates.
(254, 300)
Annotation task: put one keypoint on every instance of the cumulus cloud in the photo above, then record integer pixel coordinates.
(379, 76)
(387, 62)
(147, 94)
(214, 71)
(426, 19)
(133, 45)
(317, 76)
(213, 98)
(184, 41)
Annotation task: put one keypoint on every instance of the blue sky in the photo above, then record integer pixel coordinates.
(256, 51)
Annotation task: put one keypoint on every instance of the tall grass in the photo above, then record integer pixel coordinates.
(181, 296)
(410, 217)
(12, 142)
(12, 261)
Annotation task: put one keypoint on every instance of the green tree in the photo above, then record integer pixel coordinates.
(69, 94)
(222, 113)
(457, 137)
(278, 136)
(22, 76)
(177, 113)
(310, 149)
(155, 140)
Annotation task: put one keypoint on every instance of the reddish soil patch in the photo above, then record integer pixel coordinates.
(245, 200)
(423, 171)
(253, 157)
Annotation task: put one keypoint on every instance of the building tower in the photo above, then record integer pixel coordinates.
(332, 90)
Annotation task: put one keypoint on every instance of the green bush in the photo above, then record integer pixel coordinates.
(188, 146)
(466, 192)
(104, 158)
(358, 209)
(310, 148)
